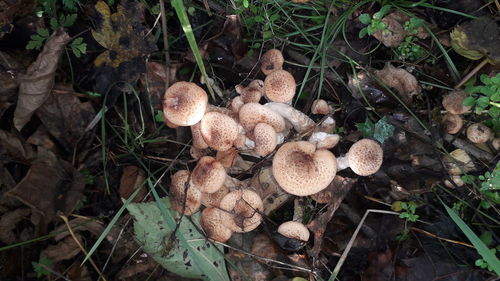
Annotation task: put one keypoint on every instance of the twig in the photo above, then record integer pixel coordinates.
(441, 238)
(471, 73)
(165, 43)
(474, 151)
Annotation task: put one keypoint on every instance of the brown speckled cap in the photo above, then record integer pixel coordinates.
(279, 86)
(178, 194)
(271, 61)
(252, 114)
(208, 175)
(478, 133)
(211, 222)
(454, 102)
(452, 123)
(219, 130)
(184, 103)
(265, 139)
(246, 206)
(295, 230)
(302, 170)
(365, 157)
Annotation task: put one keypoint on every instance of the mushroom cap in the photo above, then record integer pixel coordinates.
(302, 170)
(279, 86)
(236, 104)
(168, 123)
(452, 123)
(271, 61)
(178, 193)
(213, 199)
(246, 207)
(211, 222)
(324, 140)
(198, 141)
(252, 114)
(320, 106)
(208, 175)
(250, 94)
(265, 139)
(365, 157)
(478, 133)
(219, 130)
(184, 103)
(294, 230)
(454, 102)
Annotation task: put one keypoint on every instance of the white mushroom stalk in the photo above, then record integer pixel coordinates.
(324, 140)
(300, 121)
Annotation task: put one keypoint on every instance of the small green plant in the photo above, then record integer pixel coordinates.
(409, 50)
(37, 40)
(374, 22)
(481, 263)
(40, 270)
(408, 211)
(381, 130)
(485, 96)
(488, 186)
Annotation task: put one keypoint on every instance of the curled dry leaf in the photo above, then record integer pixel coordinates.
(78, 225)
(477, 38)
(132, 178)
(64, 250)
(8, 223)
(404, 82)
(38, 81)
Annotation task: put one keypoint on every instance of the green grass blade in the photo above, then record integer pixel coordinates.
(180, 10)
(481, 248)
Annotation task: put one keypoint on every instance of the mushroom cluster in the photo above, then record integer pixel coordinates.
(300, 167)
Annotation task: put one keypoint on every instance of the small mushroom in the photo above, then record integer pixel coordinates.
(364, 158)
(208, 175)
(245, 208)
(496, 144)
(219, 130)
(252, 114)
(198, 141)
(279, 86)
(213, 199)
(236, 104)
(179, 187)
(184, 103)
(478, 133)
(300, 121)
(324, 140)
(452, 123)
(320, 106)
(271, 61)
(302, 170)
(265, 139)
(294, 230)
(454, 102)
(212, 223)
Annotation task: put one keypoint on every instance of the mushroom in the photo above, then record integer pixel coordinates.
(294, 230)
(212, 223)
(496, 143)
(218, 130)
(300, 122)
(478, 133)
(168, 123)
(265, 139)
(327, 125)
(320, 106)
(236, 104)
(324, 140)
(454, 102)
(213, 199)
(279, 86)
(244, 207)
(208, 175)
(179, 187)
(184, 103)
(271, 61)
(253, 113)
(198, 141)
(452, 123)
(364, 158)
(302, 170)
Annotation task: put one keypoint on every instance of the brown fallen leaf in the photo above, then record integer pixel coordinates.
(132, 178)
(404, 82)
(395, 34)
(78, 225)
(134, 269)
(8, 223)
(263, 246)
(273, 196)
(64, 250)
(50, 185)
(13, 147)
(65, 116)
(328, 194)
(250, 267)
(38, 81)
(41, 137)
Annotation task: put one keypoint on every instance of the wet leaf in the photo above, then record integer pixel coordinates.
(38, 81)
(189, 254)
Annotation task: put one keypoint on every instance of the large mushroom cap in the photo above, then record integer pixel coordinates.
(294, 230)
(279, 86)
(208, 175)
(184, 103)
(178, 191)
(211, 221)
(265, 139)
(454, 102)
(302, 170)
(252, 114)
(271, 61)
(246, 207)
(478, 133)
(365, 157)
(219, 130)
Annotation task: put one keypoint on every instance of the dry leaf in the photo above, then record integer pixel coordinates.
(13, 147)
(64, 250)
(78, 225)
(404, 82)
(328, 194)
(134, 269)
(132, 178)
(263, 246)
(8, 223)
(395, 34)
(273, 196)
(38, 81)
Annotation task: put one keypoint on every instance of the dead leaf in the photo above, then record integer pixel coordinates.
(404, 82)
(50, 185)
(65, 116)
(38, 81)
(254, 270)
(13, 147)
(132, 178)
(134, 269)
(78, 225)
(154, 80)
(64, 250)
(477, 38)
(380, 266)
(8, 223)
(273, 196)
(263, 246)
(395, 34)
(9, 10)
(328, 194)
(42, 138)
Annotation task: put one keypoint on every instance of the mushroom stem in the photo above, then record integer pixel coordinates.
(342, 162)
(301, 122)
